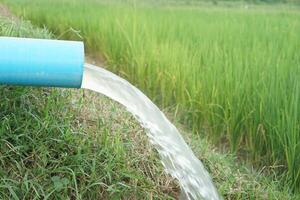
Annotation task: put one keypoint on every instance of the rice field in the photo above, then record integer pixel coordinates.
(230, 73)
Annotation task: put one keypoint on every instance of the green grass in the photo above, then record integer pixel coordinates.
(53, 147)
(47, 154)
(229, 73)
(70, 144)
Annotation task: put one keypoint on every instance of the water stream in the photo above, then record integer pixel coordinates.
(176, 156)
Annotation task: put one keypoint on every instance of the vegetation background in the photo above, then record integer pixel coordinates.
(257, 119)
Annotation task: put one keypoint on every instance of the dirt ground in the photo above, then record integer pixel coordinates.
(5, 12)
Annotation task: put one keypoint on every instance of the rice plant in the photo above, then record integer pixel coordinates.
(231, 74)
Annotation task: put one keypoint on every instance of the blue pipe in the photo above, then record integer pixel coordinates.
(36, 62)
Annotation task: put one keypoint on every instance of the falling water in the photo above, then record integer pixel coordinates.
(176, 156)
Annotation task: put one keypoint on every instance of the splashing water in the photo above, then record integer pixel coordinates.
(176, 156)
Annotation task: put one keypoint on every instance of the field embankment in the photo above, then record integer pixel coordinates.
(70, 144)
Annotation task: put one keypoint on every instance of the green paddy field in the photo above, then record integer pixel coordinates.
(229, 73)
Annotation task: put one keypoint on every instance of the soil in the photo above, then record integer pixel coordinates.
(5, 12)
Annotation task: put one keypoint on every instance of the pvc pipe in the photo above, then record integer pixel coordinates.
(36, 62)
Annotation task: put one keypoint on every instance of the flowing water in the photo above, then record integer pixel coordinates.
(176, 156)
